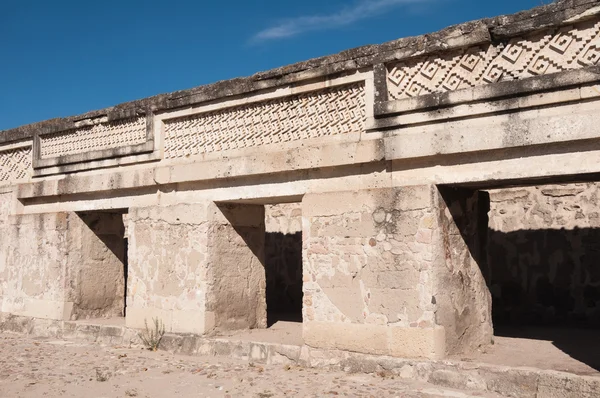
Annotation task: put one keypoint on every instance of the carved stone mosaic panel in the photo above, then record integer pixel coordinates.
(15, 164)
(328, 112)
(540, 53)
(99, 136)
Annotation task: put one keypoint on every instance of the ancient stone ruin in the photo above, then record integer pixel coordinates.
(407, 199)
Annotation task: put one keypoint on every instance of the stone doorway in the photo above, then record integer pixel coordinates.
(543, 260)
(261, 245)
(283, 262)
(99, 267)
(538, 250)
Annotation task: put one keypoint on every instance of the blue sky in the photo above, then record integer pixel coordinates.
(65, 57)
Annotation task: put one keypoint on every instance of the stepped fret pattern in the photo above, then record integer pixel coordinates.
(15, 164)
(324, 113)
(91, 138)
(541, 53)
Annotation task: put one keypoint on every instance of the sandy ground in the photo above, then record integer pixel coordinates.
(32, 367)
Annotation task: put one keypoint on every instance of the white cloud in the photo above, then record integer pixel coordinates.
(346, 16)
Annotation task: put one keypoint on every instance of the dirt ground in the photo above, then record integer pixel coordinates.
(32, 367)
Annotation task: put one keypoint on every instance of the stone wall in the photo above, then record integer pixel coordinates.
(544, 254)
(389, 264)
(15, 164)
(6, 199)
(396, 272)
(268, 122)
(33, 266)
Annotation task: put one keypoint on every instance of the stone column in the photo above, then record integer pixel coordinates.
(463, 300)
(236, 272)
(34, 261)
(368, 259)
(168, 266)
(197, 267)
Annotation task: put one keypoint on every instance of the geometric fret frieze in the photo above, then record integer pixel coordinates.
(550, 51)
(100, 136)
(15, 164)
(328, 112)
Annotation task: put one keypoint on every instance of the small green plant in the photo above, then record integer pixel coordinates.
(152, 337)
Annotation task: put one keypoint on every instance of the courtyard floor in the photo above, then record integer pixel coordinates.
(34, 367)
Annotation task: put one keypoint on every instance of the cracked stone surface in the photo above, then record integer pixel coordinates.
(32, 367)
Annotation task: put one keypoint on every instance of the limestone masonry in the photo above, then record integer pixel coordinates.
(402, 199)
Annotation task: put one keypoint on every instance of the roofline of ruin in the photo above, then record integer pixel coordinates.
(489, 30)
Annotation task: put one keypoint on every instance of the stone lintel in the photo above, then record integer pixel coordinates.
(303, 158)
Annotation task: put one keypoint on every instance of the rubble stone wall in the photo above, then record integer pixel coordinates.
(544, 254)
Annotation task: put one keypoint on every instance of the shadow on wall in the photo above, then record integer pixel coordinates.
(283, 267)
(545, 277)
(236, 271)
(109, 228)
(545, 285)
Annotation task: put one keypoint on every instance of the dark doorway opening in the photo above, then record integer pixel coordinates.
(100, 276)
(283, 263)
(125, 272)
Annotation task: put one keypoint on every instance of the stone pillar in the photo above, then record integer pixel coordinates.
(368, 259)
(236, 273)
(62, 266)
(168, 265)
(34, 266)
(197, 267)
(463, 300)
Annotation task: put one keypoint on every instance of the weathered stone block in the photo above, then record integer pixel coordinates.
(376, 339)
(197, 267)
(375, 275)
